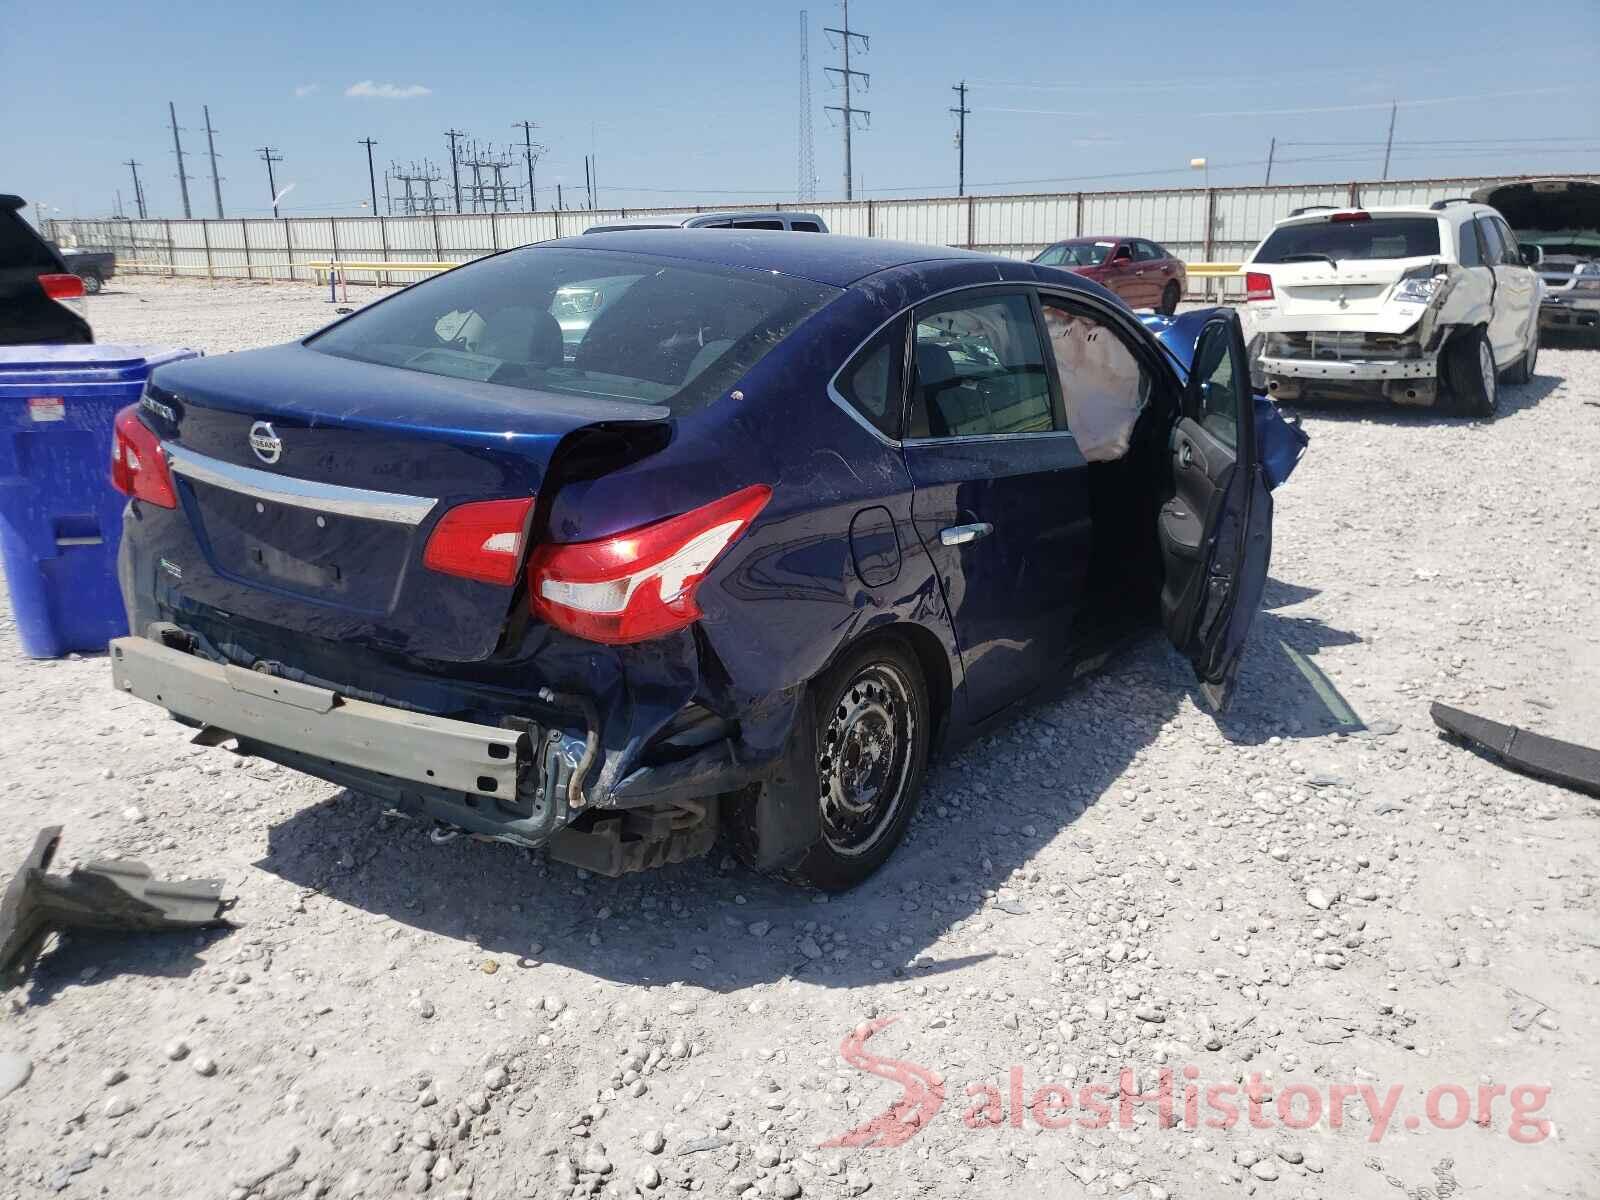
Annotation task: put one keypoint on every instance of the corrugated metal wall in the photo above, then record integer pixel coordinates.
(1197, 224)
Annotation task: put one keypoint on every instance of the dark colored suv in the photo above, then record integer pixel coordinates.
(36, 288)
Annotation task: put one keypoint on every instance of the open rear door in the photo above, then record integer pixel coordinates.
(1216, 530)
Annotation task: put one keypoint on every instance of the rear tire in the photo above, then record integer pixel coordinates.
(92, 283)
(1471, 376)
(1170, 295)
(873, 725)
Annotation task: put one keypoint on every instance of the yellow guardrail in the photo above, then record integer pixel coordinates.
(1213, 270)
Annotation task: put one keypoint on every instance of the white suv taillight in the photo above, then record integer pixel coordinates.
(1257, 286)
(640, 584)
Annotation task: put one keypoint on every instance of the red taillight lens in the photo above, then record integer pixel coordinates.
(639, 584)
(1257, 286)
(481, 541)
(1351, 216)
(61, 287)
(138, 468)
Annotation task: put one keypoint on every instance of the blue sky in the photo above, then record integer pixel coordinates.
(693, 100)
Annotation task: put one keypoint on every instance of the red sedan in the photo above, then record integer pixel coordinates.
(1144, 274)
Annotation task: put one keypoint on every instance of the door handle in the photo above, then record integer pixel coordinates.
(960, 535)
(1185, 455)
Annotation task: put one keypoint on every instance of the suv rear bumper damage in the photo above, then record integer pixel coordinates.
(1407, 381)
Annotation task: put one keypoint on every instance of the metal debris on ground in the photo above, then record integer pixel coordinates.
(1564, 763)
(103, 896)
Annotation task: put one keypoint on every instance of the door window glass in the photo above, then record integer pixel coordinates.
(805, 227)
(1471, 251)
(1216, 385)
(1512, 254)
(758, 224)
(1147, 252)
(871, 381)
(979, 370)
(1493, 248)
(1103, 385)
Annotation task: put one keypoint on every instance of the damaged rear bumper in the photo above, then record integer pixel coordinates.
(523, 782)
(1401, 381)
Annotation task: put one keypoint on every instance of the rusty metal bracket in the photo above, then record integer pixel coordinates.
(105, 896)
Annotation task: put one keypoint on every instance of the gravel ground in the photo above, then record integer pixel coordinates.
(1300, 899)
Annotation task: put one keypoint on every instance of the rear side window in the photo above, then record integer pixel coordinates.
(758, 224)
(20, 246)
(1374, 237)
(585, 323)
(805, 227)
(1147, 251)
(979, 370)
(871, 382)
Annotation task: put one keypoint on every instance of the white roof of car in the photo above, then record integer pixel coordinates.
(1451, 210)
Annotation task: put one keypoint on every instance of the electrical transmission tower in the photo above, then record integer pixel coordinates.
(417, 200)
(177, 147)
(806, 190)
(138, 191)
(846, 78)
(488, 191)
(531, 152)
(270, 156)
(211, 149)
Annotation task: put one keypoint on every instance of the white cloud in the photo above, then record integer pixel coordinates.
(387, 91)
(308, 89)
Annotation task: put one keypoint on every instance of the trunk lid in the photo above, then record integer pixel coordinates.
(1355, 287)
(311, 484)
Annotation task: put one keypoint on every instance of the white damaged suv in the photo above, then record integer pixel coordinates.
(1425, 305)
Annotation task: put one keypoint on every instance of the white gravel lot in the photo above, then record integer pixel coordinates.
(1115, 881)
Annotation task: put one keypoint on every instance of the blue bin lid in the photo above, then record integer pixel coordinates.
(107, 361)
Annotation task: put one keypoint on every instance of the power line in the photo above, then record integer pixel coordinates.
(847, 112)
(269, 157)
(962, 111)
(177, 147)
(211, 148)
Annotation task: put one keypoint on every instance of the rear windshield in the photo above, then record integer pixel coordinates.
(21, 247)
(1378, 237)
(586, 323)
(1076, 254)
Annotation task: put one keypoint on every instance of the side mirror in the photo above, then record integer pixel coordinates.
(1532, 256)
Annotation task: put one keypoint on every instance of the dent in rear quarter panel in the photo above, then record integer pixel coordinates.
(787, 598)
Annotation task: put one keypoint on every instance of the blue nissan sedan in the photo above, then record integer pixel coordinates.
(791, 515)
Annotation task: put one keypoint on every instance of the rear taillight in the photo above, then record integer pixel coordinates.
(138, 468)
(640, 584)
(1350, 216)
(481, 541)
(1257, 285)
(62, 287)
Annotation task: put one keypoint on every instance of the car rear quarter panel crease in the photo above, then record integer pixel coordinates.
(788, 596)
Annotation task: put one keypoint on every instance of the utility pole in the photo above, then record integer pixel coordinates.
(530, 152)
(846, 76)
(588, 183)
(1389, 145)
(269, 157)
(138, 192)
(177, 146)
(560, 203)
(211, 148)
(455, 173)
(372, 178)
(1272, 152)
(961, 111)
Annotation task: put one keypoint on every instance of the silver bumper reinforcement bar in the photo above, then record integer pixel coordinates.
(456, 755)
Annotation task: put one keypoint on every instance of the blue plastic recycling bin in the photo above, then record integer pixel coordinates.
(60, 518)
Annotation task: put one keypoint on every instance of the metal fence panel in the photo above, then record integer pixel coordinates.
(1219, 224)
